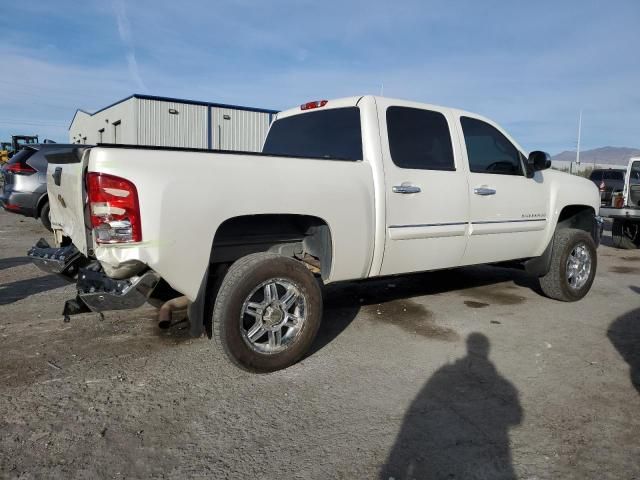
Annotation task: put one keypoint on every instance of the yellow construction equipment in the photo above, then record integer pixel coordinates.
(18, 142)
(5, 150)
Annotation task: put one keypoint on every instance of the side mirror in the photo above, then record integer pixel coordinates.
(538, 161)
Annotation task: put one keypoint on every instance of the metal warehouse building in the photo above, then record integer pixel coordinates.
(172, 122)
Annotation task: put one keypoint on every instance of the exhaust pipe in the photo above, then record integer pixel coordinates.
(170, 308)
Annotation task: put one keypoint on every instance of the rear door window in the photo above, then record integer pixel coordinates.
(488, 150)
(419, 139)
(613, 175)
(38, 161)
(332, 134)
(22, 155)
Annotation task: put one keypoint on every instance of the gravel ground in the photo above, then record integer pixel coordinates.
(468, 373)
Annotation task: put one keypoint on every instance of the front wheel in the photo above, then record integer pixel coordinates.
(267, 312)
(573, 266)
(625, 234)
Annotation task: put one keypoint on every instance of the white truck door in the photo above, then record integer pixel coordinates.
(632, 184)
(426, 190)
(508, 210)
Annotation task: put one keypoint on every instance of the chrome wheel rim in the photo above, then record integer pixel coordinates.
(272, 316)
(578, 266)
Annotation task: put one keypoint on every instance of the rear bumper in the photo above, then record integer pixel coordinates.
(19, 202)
(620, 213)
(97, 292)
(101, 293)
(63, 261)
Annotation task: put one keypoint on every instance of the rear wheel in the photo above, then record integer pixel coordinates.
(267, 312)
(625, 234)
(573, 266)
(45, 216)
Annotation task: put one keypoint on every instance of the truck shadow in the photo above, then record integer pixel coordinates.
(343, 301)
(624, 334)
(607, 241)
(13, 262)
(15, 291)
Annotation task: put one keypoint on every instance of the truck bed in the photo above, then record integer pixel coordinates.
(186, 194)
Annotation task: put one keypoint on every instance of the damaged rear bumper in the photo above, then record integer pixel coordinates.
(97, 292)
(101, 293)
(63, 261)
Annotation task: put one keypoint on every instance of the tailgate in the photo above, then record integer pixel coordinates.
(65, 186)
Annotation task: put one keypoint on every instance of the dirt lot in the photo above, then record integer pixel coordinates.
(457, 374)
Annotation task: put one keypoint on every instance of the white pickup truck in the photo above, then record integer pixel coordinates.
(344, 189)
(625, 209)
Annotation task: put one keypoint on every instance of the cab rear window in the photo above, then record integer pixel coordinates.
(332, 134)
(614, 175)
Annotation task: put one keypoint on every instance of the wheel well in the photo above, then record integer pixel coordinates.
(44, 199)
(299, 236)
(571, 216)
(577, 216)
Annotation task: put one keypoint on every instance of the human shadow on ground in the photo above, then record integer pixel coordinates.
(343, 300)
(15, 291)
(458, 425)
(624, 334)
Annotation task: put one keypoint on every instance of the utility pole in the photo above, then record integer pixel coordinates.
(579, 135)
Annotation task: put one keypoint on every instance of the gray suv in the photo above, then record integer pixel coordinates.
(25, 181)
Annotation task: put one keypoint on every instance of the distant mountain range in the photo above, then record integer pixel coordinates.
(601, 156)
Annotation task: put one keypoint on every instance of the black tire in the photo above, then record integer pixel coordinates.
(555, 284)
(44, 216)
(625, 234)
(247, 275)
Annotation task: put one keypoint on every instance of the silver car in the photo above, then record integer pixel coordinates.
(25, 181)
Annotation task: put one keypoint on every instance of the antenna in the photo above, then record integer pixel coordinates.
(382, 89)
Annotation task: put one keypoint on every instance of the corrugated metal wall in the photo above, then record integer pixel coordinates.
(122, 114)
(238, 129)
(156, 126)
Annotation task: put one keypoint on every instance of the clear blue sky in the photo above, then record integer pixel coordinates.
(531, 66)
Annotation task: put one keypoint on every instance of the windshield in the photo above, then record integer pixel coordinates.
(333, 134)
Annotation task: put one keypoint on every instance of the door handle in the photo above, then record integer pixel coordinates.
(406, 189)
(484, 191)
(57, 175)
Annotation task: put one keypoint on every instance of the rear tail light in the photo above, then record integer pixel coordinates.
(114, 209)
(618, 200)
(311, 105)
(19, 168)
